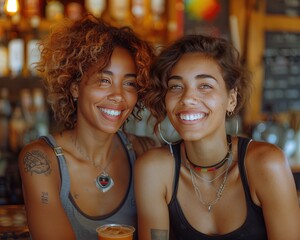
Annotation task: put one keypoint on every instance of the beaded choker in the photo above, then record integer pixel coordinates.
(214, 166)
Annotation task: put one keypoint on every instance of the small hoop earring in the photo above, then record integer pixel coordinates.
(229, 114)
(75, 99)
(166, 141)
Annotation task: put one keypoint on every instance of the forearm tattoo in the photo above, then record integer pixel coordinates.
(158, 234)
(44, 198)
(37, 162)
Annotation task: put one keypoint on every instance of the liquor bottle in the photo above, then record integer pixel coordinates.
(41, 118)
(54, 10)
(119, 13)
(17, 128)
(32, 8)
(175, 19)
(3, 53)
(96, 7)
(159, 22)
(5, 114)
(73, 10)
(16, 49)
(2, 9)
(32, 47)
(141, 19)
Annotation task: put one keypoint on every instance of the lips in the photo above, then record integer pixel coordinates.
(111, 112)
(192, 117)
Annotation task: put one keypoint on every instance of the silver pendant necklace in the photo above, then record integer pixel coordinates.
(103, 181)
(220, 190)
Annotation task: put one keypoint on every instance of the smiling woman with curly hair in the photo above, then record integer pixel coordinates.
(73, 47)
(81, 177)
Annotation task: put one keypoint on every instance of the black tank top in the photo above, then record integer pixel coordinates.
(252, 228)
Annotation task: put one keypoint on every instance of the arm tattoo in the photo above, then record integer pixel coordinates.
(37, 162)
(158, 234)
(44, 198)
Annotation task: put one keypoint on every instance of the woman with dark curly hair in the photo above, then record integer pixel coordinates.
(210, 185)
(81, 177)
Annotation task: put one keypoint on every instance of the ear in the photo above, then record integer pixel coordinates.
(74, 89)
(232, 100)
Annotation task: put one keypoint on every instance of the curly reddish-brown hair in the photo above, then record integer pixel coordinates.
(220, 50)
(72, 47)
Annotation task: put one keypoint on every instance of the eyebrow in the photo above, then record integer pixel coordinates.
(111, 73)
(199, 76)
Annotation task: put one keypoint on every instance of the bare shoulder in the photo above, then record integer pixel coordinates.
(142, 144)
(35, 158)
(156, 158)
(268, 171)
(263, 155)
(155, 170)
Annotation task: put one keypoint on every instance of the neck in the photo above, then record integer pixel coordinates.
(196, 158)
(92, 148)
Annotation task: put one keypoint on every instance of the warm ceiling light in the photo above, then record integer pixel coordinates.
(11, 7)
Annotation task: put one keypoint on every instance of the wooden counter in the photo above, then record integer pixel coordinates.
(13, 224)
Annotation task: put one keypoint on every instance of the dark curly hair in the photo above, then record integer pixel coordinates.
(218, 49)
(72, 47)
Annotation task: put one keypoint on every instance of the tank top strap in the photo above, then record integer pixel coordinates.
(63, 169)
(176, 154)
(49, 139)
(128, 146)
(242, 149)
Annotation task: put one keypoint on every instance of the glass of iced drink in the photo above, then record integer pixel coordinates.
(115, 231)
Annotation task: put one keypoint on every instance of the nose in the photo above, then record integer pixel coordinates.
(116, 95)
(189, 97)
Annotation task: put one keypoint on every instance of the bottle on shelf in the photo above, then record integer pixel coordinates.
(17, 128)
(74, 9)
(16, 47)
(3, 53)
(159, 22)
(141, 19)
(96, 7)
(32, 47)
(5, 114)
(27, 109)
(41, 118)
(54, 10)
(118, 13)
(2, 9)
(32, 9)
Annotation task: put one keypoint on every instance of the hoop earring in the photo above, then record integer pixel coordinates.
(166, 141)
(229, 114)
(75, 99)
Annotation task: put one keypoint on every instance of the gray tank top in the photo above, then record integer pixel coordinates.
(83, 225)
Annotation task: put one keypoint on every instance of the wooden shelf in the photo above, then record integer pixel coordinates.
(281, 23)
(15, 85)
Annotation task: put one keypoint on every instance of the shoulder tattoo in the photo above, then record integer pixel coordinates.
(159, 234)
(36, 162)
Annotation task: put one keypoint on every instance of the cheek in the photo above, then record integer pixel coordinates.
(131, 99)
(168, 100)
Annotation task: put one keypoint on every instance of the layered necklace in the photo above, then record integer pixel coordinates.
(193, 168)
(213, 167)
(103, 181)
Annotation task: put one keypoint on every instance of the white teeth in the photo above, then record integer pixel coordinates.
(111, 112)
(192, 117)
